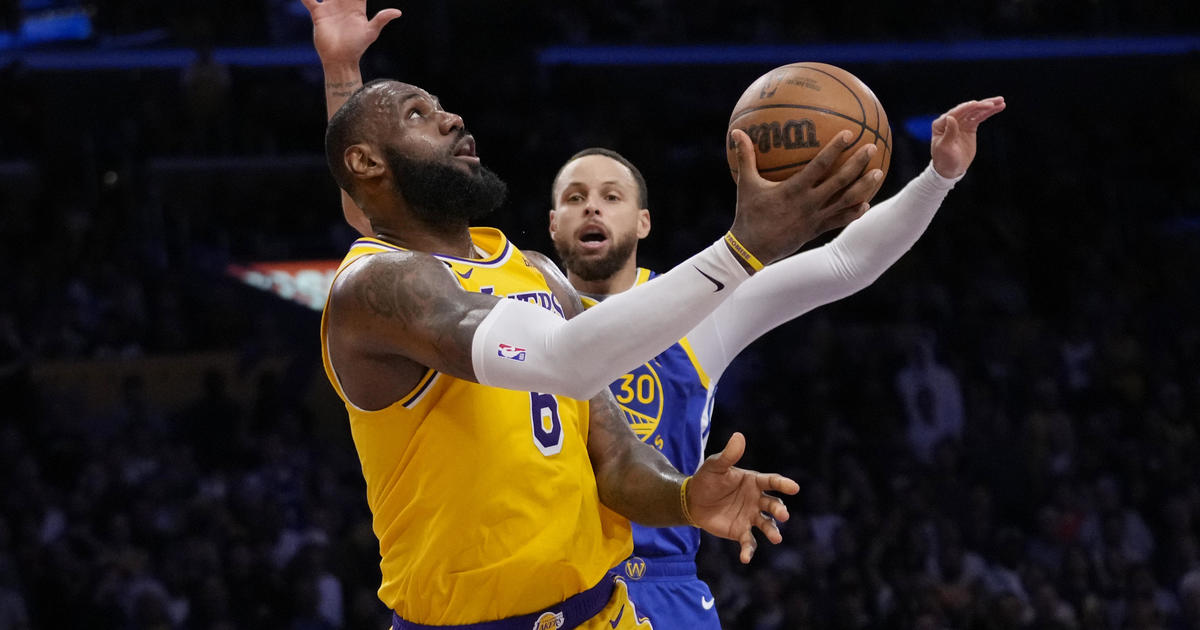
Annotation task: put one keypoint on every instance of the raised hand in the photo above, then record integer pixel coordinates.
(774, 219)
(341, 30)
(730, 502)
(953, 144)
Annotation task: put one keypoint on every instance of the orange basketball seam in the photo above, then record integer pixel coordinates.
(758, 108)
(881, 131)
(853, 93)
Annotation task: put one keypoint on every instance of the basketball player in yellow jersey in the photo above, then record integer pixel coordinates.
(499, 470)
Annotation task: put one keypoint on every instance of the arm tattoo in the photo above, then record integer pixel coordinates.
(342, 89)
(387, 294)
(567, 296)
(634, 479)
(429, 316)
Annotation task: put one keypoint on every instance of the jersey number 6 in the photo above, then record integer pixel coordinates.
(547, 427)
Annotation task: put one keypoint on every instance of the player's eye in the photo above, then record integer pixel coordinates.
(416, 113)
(575, 198)
(612, 197)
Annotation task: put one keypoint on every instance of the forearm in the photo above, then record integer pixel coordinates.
(341, 80)
(852, 261)
(635, 480)
(520, 346)
(869, 246)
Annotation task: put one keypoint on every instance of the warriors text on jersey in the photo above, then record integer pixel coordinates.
(668, 402)
(483, 499)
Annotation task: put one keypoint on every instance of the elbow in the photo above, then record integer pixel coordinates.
(855, 274)
(569, 379)
(581, 389)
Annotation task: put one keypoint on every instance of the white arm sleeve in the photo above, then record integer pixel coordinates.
(525, 347)
(848, 263)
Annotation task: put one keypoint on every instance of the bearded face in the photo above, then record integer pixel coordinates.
(593, 267)
(440, 192)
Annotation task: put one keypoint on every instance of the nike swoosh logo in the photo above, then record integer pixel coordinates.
(464, 276)
(620, 613)
(720, 285)
(706, 602)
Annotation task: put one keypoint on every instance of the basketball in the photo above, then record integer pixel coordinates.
(793, 111)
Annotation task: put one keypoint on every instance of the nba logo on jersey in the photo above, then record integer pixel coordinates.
(549, 621)
(511, 352)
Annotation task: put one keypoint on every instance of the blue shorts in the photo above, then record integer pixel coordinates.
(667, 591)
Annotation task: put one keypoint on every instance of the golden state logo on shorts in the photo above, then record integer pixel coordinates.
(549, 621)
(640, 394)
(635, 568)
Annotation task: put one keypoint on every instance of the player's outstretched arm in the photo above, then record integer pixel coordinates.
(636, 481)
(341, 34)
(952, 148)
(408, 304)
(853, 260)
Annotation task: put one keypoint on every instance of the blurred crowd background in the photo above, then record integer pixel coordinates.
(1000, 433)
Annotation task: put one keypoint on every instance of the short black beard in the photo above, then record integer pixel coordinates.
(596, 269)
(441, 194)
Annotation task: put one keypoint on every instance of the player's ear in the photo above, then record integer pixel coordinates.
(643, 227)
(362, 162)
(553, 222)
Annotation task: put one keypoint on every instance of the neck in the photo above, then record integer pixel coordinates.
(619, 282)
(448, 240)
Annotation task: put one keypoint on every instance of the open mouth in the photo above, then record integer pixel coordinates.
(593, 236)
(466, 148)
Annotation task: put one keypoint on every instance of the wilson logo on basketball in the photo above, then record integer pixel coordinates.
(793, 134)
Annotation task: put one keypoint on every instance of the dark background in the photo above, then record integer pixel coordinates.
(172, 457)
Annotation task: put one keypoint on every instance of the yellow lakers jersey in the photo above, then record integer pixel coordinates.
(483, 499)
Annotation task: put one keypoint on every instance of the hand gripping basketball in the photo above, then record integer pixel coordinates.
(793, 111)
(774, 219)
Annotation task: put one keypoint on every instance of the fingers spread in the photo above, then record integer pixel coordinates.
(848, 173)
(733, 451)
(820, 165)
(769, 528)
(749, 545)
(384, 16)
(776, 482)
(774, 507)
